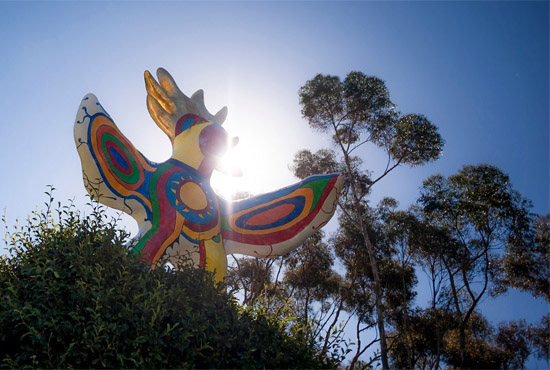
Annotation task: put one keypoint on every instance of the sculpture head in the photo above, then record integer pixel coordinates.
(197, 137)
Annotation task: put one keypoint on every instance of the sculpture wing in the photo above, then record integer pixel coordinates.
(114, 171)
(273, 224)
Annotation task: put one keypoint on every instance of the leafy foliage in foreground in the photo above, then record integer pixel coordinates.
(72, 297)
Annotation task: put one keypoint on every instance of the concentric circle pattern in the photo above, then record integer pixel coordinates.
(188, 194)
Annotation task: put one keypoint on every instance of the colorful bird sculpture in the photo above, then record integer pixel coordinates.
(177, 211)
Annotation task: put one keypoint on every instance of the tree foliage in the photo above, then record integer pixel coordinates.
(359, 110)
(71, 296)
(526, 264)
(481, 213)
(539, 335)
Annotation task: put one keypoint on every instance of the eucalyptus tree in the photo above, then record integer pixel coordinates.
(481, 214)
(422, 344)
(311, 281)
(398, 227)
(526, 264)
(425, 242)
(483, 351)
(355, 112)
(389, 231)
(539, 335)
(250, 277)
(513, 338)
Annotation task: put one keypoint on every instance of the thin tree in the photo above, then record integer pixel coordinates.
(355, 112)
(481, 213)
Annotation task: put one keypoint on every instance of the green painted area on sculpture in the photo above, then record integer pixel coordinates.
(318, 186)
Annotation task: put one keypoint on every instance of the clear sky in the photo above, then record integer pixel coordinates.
(478, 70)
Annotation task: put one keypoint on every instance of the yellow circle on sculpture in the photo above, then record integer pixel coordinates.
(193, 196)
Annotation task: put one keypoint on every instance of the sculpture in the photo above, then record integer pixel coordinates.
(173, 203)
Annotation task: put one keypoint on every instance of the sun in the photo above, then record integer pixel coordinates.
(256, 159)
(230, 186)
(265, 148)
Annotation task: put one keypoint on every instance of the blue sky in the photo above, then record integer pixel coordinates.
(478, 70)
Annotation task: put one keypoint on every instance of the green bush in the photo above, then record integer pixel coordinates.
(71, 296)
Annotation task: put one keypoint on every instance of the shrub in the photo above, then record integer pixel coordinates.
(71, 296)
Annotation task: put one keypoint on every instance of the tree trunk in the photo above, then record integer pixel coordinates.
(405, 309)
(370, 249)
(374, 266)
(378, 296)
(437, 329)
(462, 342)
